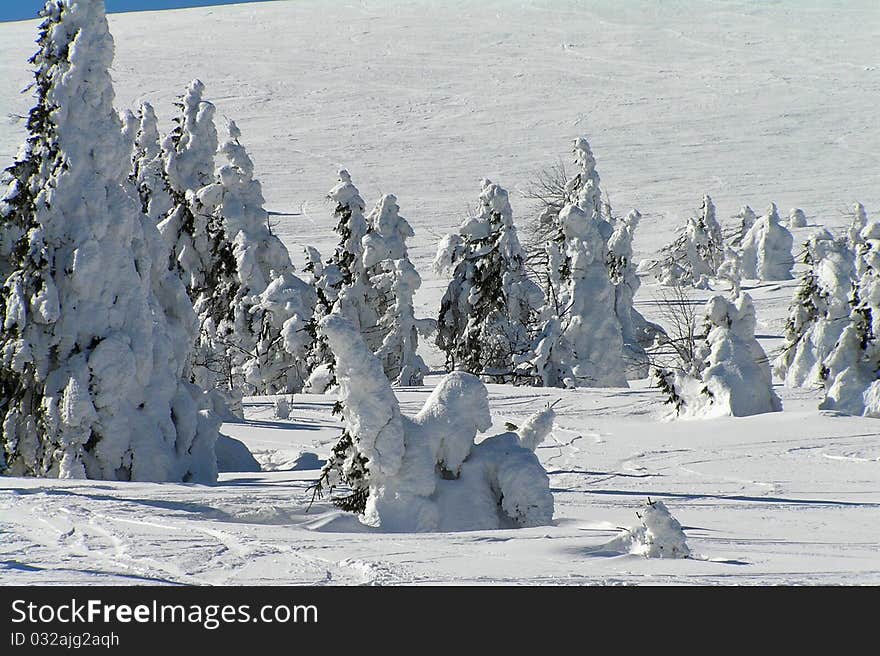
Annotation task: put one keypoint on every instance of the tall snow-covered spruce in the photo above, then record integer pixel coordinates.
(580, 343)
(96, 331)
(766, 249)
(490, 305)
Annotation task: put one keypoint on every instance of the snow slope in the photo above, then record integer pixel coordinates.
(750, 102)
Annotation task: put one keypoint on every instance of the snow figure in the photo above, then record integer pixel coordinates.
(766, 249)
(343, 286)
(490, 304)
(819, 310)
(658, 535)
(746, 218)
(148, 167)
(797, 218)
(96, 330)
(695, 254)
(731, 270)
(634, 328)
(850, 372)
(425, 473)
(261, 342)
(732, 376)
(393, 281)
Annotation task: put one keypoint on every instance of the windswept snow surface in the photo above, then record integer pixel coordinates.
(746, 101)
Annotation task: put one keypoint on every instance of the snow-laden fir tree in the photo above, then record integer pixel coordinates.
(854, 236)
(766, 249)
(343, 286)
(695, 254)
(96, 330)
(730, 270)
(148, 166)
(634, 328)
(425, 473)
(490, 304)
(731, 375)
(580, 343)
(850, 372)
(393, 283)
(263, 342)
(818, 312)
(657, 535)
(746, 218)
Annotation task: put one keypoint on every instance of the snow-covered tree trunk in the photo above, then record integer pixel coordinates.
(96, 331)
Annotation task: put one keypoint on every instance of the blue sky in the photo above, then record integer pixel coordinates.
(13, 10)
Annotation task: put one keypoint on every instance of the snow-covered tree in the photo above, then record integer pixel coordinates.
(696, 252)
(797, 218)
(766, 249)
(851, 372)
(263, 342)
(580, 343)
(634, 328)
(393, 281)
(731, 375)
(148, 166)
(745, 218)
(343, 286)
(425, 473)
(657, 535)
(490, 304)
(818, 312)
(730, 270)
(854, 238)
(96, 331)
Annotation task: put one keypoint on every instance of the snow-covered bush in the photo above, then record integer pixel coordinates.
(580, 343)
(731, 375)
(797, 218)
(818, 312)
(658, 534)
(850, 371)
(490, 304)
(766, 249)
(634, 329)
(96, 331)
(425, 473)
(393, 282)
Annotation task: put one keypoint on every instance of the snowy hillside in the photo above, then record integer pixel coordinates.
(750, 102)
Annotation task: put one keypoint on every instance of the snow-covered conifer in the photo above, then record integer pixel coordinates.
(425, 473)
(393, 281)
(797, 218)
(96, 331)
(148, 167)
(731, 375)
(696, 253)
(731, 270)
(766, 249)
(658, 535)
(490, 303)
(819, 310)
(634, 328)
(746, 218)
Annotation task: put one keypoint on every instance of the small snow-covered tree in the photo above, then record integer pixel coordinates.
(746, 218)
(634, 328)
(696, 253)
(263, 341)
(818, 312)
(851, 372)
(731, 375)
(148, 166)
(343, 286)
(393, 282)
(658, 534)
(96, 332)
(490, 304)
(797, 218)
(730, 270)
(766, 249)
(425, 473)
